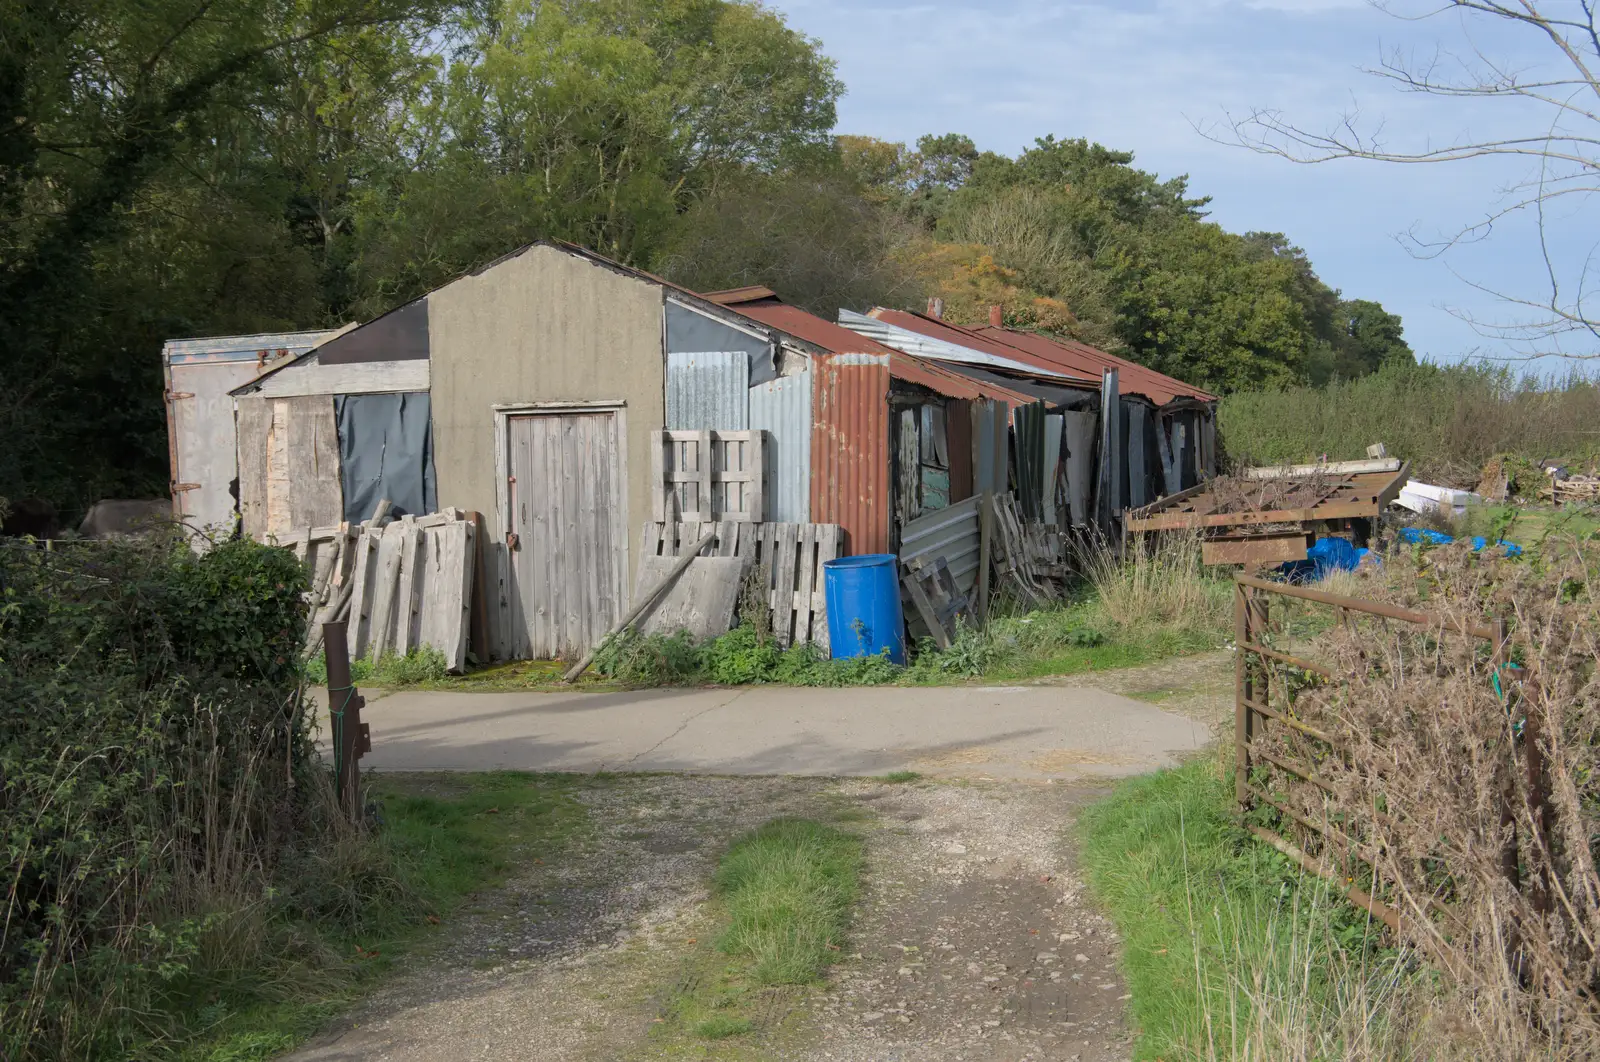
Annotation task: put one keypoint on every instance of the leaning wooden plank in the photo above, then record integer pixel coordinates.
(755, 494)
(1336, 468)
(807, 560)
(478, 638)
(411, 587)
(702, 601)
(363, 570)
(458, 633)
(783, 574)
(659, 487)
(912, 580)
(448, 582)
(641, 601)
(385, 597)
(829, 540)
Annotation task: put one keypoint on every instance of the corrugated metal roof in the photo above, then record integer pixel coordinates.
(782, 408)
(902, 366)
(1136, 379)
(1075, 397)
(1045, 354)
(884, 328)
(850, 449)
(708, 390)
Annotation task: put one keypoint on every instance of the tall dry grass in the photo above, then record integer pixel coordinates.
(1158, 583)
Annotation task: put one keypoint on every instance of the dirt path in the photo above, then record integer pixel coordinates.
(973, 939)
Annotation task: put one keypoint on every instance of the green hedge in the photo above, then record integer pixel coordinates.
(1448, 421)
(153, 758)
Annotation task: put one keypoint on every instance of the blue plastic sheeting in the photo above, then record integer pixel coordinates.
(1323, 558)
(1438, 538)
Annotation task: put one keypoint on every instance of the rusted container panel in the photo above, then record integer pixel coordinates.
(782, 408)
(706, 391)
(200, 428)
(850, 449)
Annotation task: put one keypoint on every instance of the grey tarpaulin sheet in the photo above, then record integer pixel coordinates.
(386, 449)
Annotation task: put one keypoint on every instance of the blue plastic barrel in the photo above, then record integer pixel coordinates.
(863, 595)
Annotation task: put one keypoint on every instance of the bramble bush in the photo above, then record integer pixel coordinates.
(155, 768)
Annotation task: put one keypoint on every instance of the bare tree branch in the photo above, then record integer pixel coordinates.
(1564, 156)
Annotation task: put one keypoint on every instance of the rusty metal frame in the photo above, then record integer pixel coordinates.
(1162, 517)
(1252, 712)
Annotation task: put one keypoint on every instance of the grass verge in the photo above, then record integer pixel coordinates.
(1230, 952)
(351, 914)
(783, 893)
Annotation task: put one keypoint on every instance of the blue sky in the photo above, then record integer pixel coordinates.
(1141, 75)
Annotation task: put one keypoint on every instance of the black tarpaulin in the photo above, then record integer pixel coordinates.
(386, 449)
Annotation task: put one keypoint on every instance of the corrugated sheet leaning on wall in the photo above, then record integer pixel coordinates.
(952, 533)
(708, 390)
(782, 408)
(850, 448)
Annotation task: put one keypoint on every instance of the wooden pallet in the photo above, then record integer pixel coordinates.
(793, 555)
(706, 476)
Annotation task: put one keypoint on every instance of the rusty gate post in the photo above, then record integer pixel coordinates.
(351, 737)
(1242, 695)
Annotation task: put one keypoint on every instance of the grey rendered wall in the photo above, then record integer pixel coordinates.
(544, 326)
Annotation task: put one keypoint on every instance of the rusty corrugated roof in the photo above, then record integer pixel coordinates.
(1049, 355)
(1132, 378)
(837, 339)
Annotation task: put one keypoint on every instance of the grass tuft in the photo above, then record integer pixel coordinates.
(722, 1026)
(899, 777)
(788, 887)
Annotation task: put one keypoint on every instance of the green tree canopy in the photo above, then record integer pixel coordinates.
(193, 167)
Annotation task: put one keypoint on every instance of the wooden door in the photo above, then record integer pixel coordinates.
(565, 492)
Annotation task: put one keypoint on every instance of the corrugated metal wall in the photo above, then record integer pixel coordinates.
(708, 390)
(952, 533)
(782, 408)
(850, 449)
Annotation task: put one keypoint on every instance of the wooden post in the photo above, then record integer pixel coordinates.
(351, 737)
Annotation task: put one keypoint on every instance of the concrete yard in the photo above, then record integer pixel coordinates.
(1015, 732)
